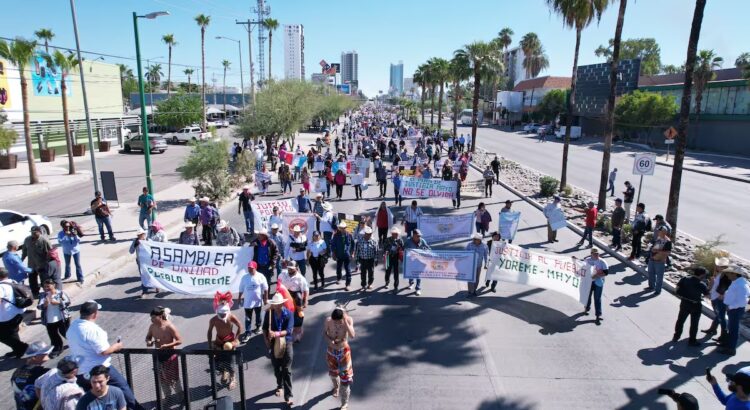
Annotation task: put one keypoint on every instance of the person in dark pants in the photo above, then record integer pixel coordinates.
(457, 199)
(690, 290)
(36, 248)
(495, 164)
(342, 250)
(641, 224)
(600, 269)
(489, 180)
(393, 247)
(618, 219)
(55, 316)
(265, 255)
(278, 325)
(495, 237)
(365, 251)
(735, 299)
(10, 318)
(719, 284)
(381, 176)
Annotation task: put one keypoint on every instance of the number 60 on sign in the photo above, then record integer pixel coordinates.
(644, 164)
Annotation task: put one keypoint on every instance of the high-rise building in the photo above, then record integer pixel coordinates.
(397, 78)
(513, 61)
(349, 67)
(294, 52)
(411, 89)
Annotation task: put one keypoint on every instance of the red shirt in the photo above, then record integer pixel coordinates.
(591, 217)
(382, 219)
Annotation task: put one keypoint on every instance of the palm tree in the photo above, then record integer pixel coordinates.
(440, 73)
(419, 78)
(168, 39)
(203, 22)
(45, 35)
(271, 25)
(460, 70)
(530, 44)
(706, 62)
(742, 61)
(609, 126)
(577, 15)
(504, 38)
(481, 56)
(682, 125)
(66, 64)
(225, 64)
(19, 53)
(672, 69)
(153, 75)
(429, 78)
(188, 72)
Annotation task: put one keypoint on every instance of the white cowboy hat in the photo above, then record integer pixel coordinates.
(342, 225)
(296, 229)
(222, 224)
(319, 195)
(736, 269)
(263, 231)
(277, 299)
(327, 206)
(140, 231)
(246, 188)
(395, 230)
(274, 226)
(722, 261)
(189, 224)
(204, 199)
(192, 199)
(368, 230)
(476, 236)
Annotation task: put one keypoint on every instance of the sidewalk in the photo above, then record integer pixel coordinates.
(52, 175)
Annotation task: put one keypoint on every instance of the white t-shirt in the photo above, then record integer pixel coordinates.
(7, 310)
(325, 222)
(86, 339)
(296, 283)
(252, 288)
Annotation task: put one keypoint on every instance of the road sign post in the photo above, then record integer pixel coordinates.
(669, 134)
(643, 164)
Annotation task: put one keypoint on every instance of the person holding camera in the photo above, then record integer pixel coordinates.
(739, 386)
(69, 240)
(102, 215)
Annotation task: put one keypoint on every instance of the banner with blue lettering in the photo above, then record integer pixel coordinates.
(193, 270)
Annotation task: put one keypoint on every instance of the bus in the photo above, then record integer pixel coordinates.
(466, 114)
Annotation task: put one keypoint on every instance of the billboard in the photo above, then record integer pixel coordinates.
(46, 78)
(337, 67)
(345, 88)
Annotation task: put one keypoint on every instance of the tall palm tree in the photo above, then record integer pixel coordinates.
(45, 35)
(537, 61)
(153, 75)
(429, 78)
(270, 25)
(505, 38)
(576, 14)
(66, 63)
(225, 64)
(460, 70)
(188, 72)
(682, 125)
(706, 62)
(481, 56)
(609, 126)
(203, 22)
(168, 39)
(419, 78)
(20, 53)
(440, 73)
(530, 44)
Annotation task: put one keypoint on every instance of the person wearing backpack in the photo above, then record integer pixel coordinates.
(641, 225)
(11, 315)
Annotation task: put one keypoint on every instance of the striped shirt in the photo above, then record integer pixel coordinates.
(411, 215)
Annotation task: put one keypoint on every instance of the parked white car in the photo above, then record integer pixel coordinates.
(187, 134)
(531, 127)
(15, 226)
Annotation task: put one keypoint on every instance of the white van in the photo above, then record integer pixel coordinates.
(575, 133)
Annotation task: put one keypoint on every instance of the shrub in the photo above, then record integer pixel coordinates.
(627, 232)
(244, 167)
(706, 254)
(604, 223)
(548, 185)
(8, 136)
(207, 166)
(212, 130)
(567, 191)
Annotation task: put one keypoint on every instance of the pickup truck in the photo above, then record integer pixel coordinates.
(187, 134)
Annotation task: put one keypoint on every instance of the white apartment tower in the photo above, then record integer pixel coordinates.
(294, 51)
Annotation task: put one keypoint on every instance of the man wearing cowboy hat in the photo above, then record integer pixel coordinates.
(482, 252)
(140, 235)
(719, 284)
(735, 299)
(416, 242)
(188, 236)
(599, 269)
(296, 247)
(226, 235)
(278, 325)
(342, 251)
(691, 290)
(24, 377)
(192, 211)
(394, 251)
(365, 250)
(245, 198)
(266, 254)
(299, 289)
(326, 222)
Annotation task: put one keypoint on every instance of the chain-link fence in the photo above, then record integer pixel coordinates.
(183, 379)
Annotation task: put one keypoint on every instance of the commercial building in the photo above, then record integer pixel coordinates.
(535, 89)
(513, 61)
(397, 79)
(349, 67)
(411, 89)
(294, 52)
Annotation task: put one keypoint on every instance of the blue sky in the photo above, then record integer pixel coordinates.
(382, 31)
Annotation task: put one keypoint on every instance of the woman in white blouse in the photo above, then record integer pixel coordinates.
(317, 255)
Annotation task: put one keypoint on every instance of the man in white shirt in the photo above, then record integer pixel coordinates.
(10, 318)
(411, 217)
(326, 223)
(549, 209)
(253, 295)
(735, 299)
(299, 289)
(296, 247)
(90, 343)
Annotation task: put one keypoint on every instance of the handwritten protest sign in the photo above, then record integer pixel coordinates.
(357, 179)
(557, 219)
(412, 187)
(262, 210)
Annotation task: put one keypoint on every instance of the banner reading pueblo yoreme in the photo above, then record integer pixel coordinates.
(427, 188)
(512, 263)
(193, 270)
(440, 264)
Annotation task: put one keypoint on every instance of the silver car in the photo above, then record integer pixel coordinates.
(157, 144)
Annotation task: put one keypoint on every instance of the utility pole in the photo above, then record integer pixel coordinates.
(249, 27)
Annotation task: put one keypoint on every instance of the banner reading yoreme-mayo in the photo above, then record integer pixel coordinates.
(427, 188)
(436, 228)
(306, 223)
(434, 264)
(512, 263)
(262, 210)
(193, 270)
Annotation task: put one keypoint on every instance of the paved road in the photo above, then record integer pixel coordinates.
(521, 348)
(709, 206)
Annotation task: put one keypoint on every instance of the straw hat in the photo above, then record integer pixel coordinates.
(722, 261)
(277, 299)
(736, 269)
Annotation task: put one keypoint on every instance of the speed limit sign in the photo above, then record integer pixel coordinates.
(644, 164)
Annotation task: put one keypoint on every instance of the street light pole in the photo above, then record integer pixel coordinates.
(242, 79)
(85, 98)
(142, 95)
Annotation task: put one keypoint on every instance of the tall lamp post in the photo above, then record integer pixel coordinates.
(242, 81)
(141, 91)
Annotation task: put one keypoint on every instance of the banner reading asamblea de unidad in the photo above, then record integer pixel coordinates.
(436, 228)
(193, 270)
(262, 210)
(563, 274)
(427, 188)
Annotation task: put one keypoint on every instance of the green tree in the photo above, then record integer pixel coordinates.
(8, 136)
(706, 63)
(178, 111)
(20, 53)
(742, 61)
(576, 14)
(203, 21)
(640, 111)
(441, 74)
(672, 69)
(505, 38)
(225, 64)
(460, 71)
(153, 75)
(188, 72)
(530, 46)
(481, 57)
(45, 35)
(128, 83)
(207, 167)
(65, 63)
(420, 78)
(271, 25)
(168, 39)
(553, 104)
(647, 49)
(682, 125)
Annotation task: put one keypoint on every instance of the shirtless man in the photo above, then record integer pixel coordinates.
(226, 338)
(162, 334)
(337, 330)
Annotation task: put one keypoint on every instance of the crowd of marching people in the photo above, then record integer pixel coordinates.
(274, 292)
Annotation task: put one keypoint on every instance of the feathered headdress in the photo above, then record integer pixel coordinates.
(223, 297)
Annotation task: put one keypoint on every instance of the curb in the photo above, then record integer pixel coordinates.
(669, 287)
(700, 171)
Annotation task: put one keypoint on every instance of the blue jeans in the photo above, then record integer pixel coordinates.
(419, 283)
(286, 185)
(720, 309)
(410, 226)
(102, 222)
(656, 275)
(735, 315)
(596, 292)
(249, 221)
(611, 187)
(302, 266)
(327, 239)
(588, 233)
(344, 262)
(480, 228)
(145, 217)
(77, 261)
